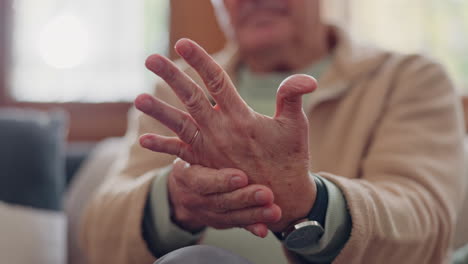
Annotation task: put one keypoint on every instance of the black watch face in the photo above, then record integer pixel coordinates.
(304, 236)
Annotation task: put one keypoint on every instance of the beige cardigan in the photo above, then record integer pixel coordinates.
(386, 128)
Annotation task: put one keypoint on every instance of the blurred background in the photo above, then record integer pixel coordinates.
(81, 63)
(87, 56)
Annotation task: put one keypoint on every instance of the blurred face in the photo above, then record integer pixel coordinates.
(260, 24)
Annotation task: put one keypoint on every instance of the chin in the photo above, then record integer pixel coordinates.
(263, 37)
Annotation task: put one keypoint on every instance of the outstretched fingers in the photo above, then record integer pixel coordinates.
(215, 78)
(176, 120)
(168, 145)
(191, 95)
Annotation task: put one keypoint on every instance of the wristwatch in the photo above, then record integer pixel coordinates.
(308, 231)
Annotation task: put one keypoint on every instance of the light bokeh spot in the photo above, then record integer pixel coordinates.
(64, 42)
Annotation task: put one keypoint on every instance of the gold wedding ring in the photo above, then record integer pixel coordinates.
(194, 137)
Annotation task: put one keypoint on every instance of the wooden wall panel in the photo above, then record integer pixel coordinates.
(195, 19)
(88, 121)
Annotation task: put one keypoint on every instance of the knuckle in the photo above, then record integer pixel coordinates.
(198, 60)
(184, 125)
(223, 145)
(170, 74)
(197, 185)
(225, 181)
(248, 198)
(217, 81)
(180, 172)
(200, 187)
(178, 179)
(222, 179)
(220, 203)
(192, 181)
(255, 215)
(193, 102)
(183, 153)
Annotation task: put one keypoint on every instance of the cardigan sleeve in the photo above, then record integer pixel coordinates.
(161, 234)
(404, 205)
(111, 229)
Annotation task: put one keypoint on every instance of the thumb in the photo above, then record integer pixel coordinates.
(289, 95)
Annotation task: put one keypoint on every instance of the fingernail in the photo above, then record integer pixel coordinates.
(185, 49)
(260, 197)
(268, 213)
(237, 182)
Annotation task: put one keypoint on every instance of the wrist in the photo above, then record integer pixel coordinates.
(181, 217)
(314, 222)
(300, 200)
(187, 224)
(305, 201)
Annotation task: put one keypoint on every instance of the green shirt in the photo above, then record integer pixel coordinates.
(259, 89)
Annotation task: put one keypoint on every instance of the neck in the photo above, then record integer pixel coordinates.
(292, 55)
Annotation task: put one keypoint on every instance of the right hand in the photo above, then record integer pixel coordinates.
(203, 197)
(272, 151)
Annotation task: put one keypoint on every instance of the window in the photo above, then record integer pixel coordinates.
(87, 51)
(438, 28)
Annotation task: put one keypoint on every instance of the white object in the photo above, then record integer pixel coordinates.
(29, 235)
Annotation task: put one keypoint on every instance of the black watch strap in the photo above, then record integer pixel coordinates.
(319, 210)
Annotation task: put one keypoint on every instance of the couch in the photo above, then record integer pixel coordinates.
(32, 183)
(45, 185)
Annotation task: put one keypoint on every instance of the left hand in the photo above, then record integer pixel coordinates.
(201, 197)
(272, 151)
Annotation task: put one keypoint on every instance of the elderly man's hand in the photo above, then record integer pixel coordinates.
(271, 151)
(220, 199)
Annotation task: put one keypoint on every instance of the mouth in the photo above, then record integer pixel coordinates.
(262, 9)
